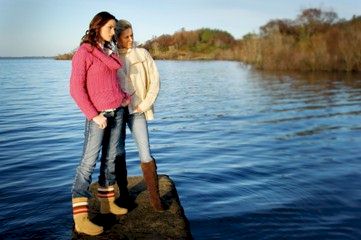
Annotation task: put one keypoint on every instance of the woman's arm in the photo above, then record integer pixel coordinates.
(78, 89)
(153, 83)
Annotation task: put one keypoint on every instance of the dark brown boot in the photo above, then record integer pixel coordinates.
(124, 200)
(151, 179)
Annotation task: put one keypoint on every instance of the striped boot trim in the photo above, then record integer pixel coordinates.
(81, 207)
(106, 192)
(108, 195)
(110, 188)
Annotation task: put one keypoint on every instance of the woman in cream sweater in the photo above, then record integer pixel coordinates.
(139, 78)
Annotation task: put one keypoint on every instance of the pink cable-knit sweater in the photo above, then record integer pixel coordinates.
(93, 83)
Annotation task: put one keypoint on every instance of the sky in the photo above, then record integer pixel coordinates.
(52, 27)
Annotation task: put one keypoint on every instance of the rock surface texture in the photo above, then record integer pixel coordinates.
(142, 222)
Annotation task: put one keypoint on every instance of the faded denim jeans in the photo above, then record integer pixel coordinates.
(139, 127)
(95, 140)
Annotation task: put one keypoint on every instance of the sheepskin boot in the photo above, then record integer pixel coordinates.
(151, 179)
(106, 196)
(81, 218)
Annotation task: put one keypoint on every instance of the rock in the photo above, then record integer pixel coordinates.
(142, 222)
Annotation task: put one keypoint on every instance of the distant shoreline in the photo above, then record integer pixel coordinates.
(32, 57)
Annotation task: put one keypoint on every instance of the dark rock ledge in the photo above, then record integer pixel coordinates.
(142, 222)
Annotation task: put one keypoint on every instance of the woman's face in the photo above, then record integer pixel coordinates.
(126, 39)
(107, 31)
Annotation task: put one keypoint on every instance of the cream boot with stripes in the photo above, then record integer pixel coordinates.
(106, 196)
(81, 218)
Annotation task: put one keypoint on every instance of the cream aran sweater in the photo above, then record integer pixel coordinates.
(139, 76)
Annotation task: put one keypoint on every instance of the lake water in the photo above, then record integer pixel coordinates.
(254, 155)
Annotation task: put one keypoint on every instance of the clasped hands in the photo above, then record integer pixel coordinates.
(102, 121)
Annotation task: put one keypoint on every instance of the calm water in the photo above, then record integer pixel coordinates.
(253, 155)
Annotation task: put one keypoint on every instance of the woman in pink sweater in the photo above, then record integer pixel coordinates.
(95, 89)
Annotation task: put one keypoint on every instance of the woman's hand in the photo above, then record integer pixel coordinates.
(126, 100)
(100, 120)
(137, 109)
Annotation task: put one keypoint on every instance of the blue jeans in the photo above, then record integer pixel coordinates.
(139, 127)
(95, 140)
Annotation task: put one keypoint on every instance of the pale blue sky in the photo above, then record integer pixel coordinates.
(51, 27)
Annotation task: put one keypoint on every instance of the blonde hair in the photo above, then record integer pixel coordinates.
(121, 26)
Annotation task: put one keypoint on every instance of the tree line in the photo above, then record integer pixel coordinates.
(316, 40)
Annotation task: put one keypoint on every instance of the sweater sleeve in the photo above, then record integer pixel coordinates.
(153, 83)
(78, 89)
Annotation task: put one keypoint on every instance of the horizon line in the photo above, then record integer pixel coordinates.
(27, 57)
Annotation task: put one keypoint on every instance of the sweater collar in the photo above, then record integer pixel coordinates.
(124, 51)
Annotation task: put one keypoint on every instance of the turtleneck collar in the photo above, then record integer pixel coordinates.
(124, 51)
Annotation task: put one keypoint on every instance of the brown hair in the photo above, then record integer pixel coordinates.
(92, 35)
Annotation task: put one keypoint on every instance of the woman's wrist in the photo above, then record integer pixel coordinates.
(138, 109)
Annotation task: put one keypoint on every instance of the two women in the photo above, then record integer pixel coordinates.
(96, 89)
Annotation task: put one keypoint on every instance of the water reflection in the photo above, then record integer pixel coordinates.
(254, 155)
(318, 83)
